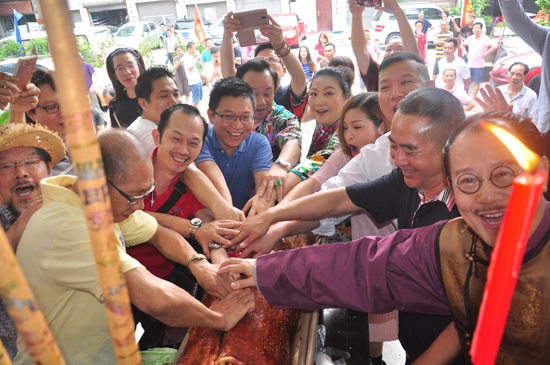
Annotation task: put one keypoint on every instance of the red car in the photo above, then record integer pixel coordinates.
(294, 29)
(499, 74)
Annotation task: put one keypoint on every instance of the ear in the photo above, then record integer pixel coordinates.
(156, 137)
(143, 103)
(543, 165)
(50, 170)
(32, 116)
(382, 128)
(210, 116)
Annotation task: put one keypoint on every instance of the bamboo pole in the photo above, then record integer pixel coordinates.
(24, 311)
(92, 186)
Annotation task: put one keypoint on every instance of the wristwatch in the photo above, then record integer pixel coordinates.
(283, 163)
(215, 245)
(194, 224)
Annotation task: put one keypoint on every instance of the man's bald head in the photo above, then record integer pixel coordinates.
(121, 150)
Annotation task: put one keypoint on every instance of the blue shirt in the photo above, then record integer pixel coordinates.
(206, 56)
(427, 25)
(253, 155)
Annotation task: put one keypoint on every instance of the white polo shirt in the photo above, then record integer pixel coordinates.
(525, 102)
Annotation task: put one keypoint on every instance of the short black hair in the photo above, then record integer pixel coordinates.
(261, 47)
(178, 46)
(427, 102)
(39, 78)
(330, 44)
(406, 56)
(190, 44)
(257, 65)
(231, 86)
(446, 12)
(520, 126)
(144, 86)
(109, 91)
(208, 39)
(477, 23)
(452, 40)
(184, 108)
(214, 49)
(526, 68)
(163, 24)
(419, 22)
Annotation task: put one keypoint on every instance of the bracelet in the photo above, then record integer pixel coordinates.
(285, 47)
(215, 245)
(197, 256)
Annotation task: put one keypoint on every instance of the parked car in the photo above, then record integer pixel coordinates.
(132, 34)
(499, 74)
(46, 63)
(185, 30)
(294, 29)
(216, 32)
(384, 26)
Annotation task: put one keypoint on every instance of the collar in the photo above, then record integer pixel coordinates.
(216, 145)
(331, 129)
(57, 188)
(446, 196)
(520, 93)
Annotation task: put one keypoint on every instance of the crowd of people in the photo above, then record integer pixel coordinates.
(404, 183)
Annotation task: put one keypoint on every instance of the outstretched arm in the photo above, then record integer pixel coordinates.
(358, 40)
(230, 26)
(407, 34)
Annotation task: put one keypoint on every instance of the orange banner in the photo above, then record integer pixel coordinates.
(466, 9)
(199, 27)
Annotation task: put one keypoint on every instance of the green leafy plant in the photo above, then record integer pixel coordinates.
(147, 46)
(85, 50)
(544, 5)
(41, 46)
(11, 49)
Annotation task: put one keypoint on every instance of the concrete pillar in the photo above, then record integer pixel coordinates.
(181, 10)
(38, 14)
(84, 15)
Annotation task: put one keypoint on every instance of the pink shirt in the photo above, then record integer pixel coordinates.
(477, 48)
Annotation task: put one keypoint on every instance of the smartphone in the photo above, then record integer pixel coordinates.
(23, 71)
(369, 3)
(251, 22)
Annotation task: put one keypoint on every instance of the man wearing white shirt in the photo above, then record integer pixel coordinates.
(193, 73)
(450, 61)
(516, 93)
(156, 91)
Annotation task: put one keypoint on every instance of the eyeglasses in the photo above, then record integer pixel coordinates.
(129, 67)
(132, 200)
(501, 177)
(272, 60)
(50, 109)
(29, 164)
(230, 119)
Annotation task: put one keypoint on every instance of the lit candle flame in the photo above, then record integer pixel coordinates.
(526, 158)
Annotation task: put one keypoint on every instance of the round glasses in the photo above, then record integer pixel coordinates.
(501, 177)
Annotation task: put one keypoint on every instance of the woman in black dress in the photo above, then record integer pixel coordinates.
(124, 65)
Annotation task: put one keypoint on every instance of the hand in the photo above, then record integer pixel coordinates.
(493, 100)
(25, 100)
(228, 212)
(263, 245)
(252, 229)
(92, 90)
(257, 204)
(216, 231)
(273, 32)
(354, 8)
(276, 172)
(7, 93)
(234, 307)
(230, 26)
(205, 273)
(219, 255)
(239, 266)
(16, 230)
(390, 6)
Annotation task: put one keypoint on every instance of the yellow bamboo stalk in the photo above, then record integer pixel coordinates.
(21, 306)
(92, 186)
(4, 356)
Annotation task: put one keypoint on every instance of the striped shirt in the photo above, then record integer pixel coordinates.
(441, 37)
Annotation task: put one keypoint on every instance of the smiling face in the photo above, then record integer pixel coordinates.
(449, 77)
(53, 121)
(477, 30)
(303, 54)
(230, 136)
(359, 130)
(181, 142)
(396, 82)
(209, 44)
(416, 154)
(326, 100)
(165, 94)
(21, 187)
(264, 91)
(141, 182)
(126, 70)
(479, 152)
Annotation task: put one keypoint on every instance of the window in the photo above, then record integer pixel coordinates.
(432, 14)
(152, 26)
(378, 15)
(145, 28)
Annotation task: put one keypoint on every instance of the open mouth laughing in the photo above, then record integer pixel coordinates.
(24, 189)
(354, 149)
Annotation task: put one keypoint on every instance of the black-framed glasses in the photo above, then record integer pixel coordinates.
(501, 177)
(230, 119)
(29, 164)
(50, 109)
(132, 200)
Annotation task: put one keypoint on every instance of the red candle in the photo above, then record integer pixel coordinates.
(508, 252)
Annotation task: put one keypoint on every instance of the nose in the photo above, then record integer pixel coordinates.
(20, 172)
(400, 158)
(139, 205)
(397, 93)
(488, 193)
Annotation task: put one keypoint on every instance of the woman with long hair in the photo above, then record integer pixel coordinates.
(124, 65)
(308, 65)
(319, 48)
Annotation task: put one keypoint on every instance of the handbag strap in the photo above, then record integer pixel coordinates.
(179, 190)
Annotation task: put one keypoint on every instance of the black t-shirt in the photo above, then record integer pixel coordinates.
(388, 198)
(126, 112)
(466, 31)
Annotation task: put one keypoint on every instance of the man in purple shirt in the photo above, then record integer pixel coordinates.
(439, 269)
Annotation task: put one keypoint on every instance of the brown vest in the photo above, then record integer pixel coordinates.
(463, 259)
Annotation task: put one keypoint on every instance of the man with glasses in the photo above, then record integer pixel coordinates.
(439, 269)
(293, 96)
(27, 155)
(233, 157)
(56, 256)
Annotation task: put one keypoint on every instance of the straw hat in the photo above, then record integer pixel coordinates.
(27, 135)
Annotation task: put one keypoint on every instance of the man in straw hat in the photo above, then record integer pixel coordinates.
(27, 154)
